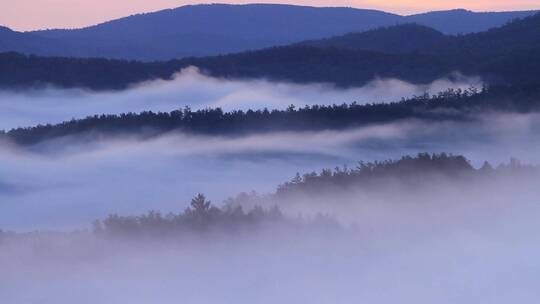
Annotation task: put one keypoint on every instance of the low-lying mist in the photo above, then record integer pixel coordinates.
(442, 238)
(66, 183)
(193, 89)
(437, 239)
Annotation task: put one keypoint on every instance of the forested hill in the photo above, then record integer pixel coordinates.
(209, 30)
(396, 39)
(450, 105)
(510, 54)
(501, 41)
(519, 35)
(19, 71)
(410, 38)
(291, 64)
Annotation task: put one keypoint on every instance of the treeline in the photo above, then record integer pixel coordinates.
(249, 212)
(417, 170)
(299, 64)
(413, 172)
(449, 105)
(18, 71)
(202, 217)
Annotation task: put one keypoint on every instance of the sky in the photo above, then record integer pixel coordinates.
(24, 15)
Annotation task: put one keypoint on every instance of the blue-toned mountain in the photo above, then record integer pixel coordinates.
(206, 30)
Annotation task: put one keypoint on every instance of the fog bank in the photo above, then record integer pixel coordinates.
(193, 89)
(67, 183)
(445, 241)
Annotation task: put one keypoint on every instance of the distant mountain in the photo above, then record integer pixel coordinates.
(25, 42)
(462, 21)
(522, 34)
(206, 30)
(509, 54)
(409, 38)
(202, 30)
(397, 39)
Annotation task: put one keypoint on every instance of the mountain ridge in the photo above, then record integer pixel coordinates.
(216, 29)
(508, 54)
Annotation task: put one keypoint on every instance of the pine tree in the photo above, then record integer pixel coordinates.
(200, 205)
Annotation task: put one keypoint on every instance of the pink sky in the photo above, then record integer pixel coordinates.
(39, 14)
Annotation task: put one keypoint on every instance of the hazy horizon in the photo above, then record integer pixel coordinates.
(64, 14)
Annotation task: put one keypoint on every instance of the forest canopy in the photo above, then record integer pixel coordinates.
(453, 104)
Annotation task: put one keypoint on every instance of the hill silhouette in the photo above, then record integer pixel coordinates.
(405, 38)
(509, 54)
(206, 30)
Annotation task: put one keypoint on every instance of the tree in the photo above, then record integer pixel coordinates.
(297, 179)
(200, 205)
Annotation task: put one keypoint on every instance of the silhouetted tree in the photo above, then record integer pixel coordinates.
(200, 205)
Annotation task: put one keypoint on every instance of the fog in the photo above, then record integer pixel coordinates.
(445, 239)
(193, 89)
(67, 183)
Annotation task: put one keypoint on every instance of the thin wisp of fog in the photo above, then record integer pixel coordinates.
(193, 89)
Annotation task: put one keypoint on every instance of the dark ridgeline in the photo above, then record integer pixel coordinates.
(509, 55)
(449, 105)
(398, 39)
(205, 30)
(201, 217)
(19, 71)
(297, 64)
